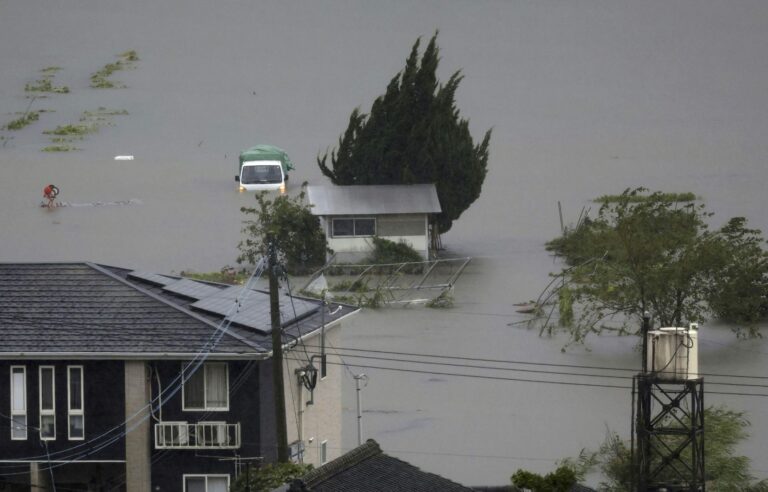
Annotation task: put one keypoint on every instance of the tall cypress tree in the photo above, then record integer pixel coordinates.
(414, 134)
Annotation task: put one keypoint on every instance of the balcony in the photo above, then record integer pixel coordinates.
(200, 435)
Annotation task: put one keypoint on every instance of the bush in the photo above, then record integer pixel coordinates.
(386, 251)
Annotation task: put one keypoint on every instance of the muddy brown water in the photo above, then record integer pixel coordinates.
(585, 98)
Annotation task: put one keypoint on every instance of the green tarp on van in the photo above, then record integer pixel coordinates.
(267, 153)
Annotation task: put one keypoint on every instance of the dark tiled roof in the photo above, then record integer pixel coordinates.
(84, 308)
(367, 469)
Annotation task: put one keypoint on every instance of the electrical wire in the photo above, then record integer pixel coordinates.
(518, 362)
(525, 380)
(537, 371)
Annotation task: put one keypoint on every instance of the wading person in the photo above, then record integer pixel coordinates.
(50, 193)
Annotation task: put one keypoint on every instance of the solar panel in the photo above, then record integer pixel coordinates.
(216, 305)
(192, 289)
(152, 278)
(254, 310)
(256, 315)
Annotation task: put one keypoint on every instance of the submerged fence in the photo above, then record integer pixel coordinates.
(428, 281)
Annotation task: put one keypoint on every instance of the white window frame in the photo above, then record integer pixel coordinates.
(71, 412)
(324, 452)
(206, 477)
(203, 369)
(354, 228)
(47, 411)
(23, 412)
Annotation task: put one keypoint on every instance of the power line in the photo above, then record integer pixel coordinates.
(520, 362)
(524, 380)
(537, 371)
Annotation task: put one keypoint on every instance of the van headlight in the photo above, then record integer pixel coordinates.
(282, 188)
(241, 189)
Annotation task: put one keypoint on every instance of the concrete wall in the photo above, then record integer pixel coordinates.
(320, 421)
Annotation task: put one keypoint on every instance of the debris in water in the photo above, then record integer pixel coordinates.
(123, 157)
(132, 201)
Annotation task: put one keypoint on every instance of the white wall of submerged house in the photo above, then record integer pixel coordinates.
(413, 229)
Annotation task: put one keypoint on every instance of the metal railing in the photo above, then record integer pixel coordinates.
(200, 435)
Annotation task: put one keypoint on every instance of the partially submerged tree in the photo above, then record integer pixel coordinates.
(414, 134)
(649, 253)
(290, 224)
(725, 470)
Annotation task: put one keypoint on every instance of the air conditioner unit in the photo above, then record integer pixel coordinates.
(673, 353)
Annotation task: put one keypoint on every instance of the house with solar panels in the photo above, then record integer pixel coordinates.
(118, 379)
(352, 215)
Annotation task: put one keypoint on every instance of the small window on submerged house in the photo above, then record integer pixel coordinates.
(343, 227)
(365, 227)
(358, 227)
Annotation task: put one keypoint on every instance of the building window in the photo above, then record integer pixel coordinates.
(206, 483)
(18, 402)
(207, 388)
(354, 227)
(75, 407)
(47, 403)
(324, 452)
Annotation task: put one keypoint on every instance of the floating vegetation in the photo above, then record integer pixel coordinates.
(100, 79)
(25, 120)
(45, 84)
(90, 122)
(130, 56)
(59, 148)
(78, 130)
(669, 197)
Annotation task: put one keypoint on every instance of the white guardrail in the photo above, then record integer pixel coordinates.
(200, 435)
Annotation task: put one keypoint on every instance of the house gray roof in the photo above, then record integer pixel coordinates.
(373, 199)
(367, 469)
(89, 310)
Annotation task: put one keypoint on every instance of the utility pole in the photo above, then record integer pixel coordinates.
(277, 356)
(358, 377)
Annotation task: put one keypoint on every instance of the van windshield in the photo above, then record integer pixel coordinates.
(261, 173)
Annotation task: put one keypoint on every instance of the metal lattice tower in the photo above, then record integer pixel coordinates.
(669, 429)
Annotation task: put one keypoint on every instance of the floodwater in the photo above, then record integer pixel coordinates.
(585, 98)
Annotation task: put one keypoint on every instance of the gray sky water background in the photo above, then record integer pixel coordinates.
(584, 98)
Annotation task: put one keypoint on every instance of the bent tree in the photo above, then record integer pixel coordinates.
(650, 253)
(414, 134)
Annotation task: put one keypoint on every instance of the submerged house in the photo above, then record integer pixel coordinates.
(116, 379)
(352, 215)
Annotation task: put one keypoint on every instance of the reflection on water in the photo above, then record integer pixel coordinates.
(583, 102)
